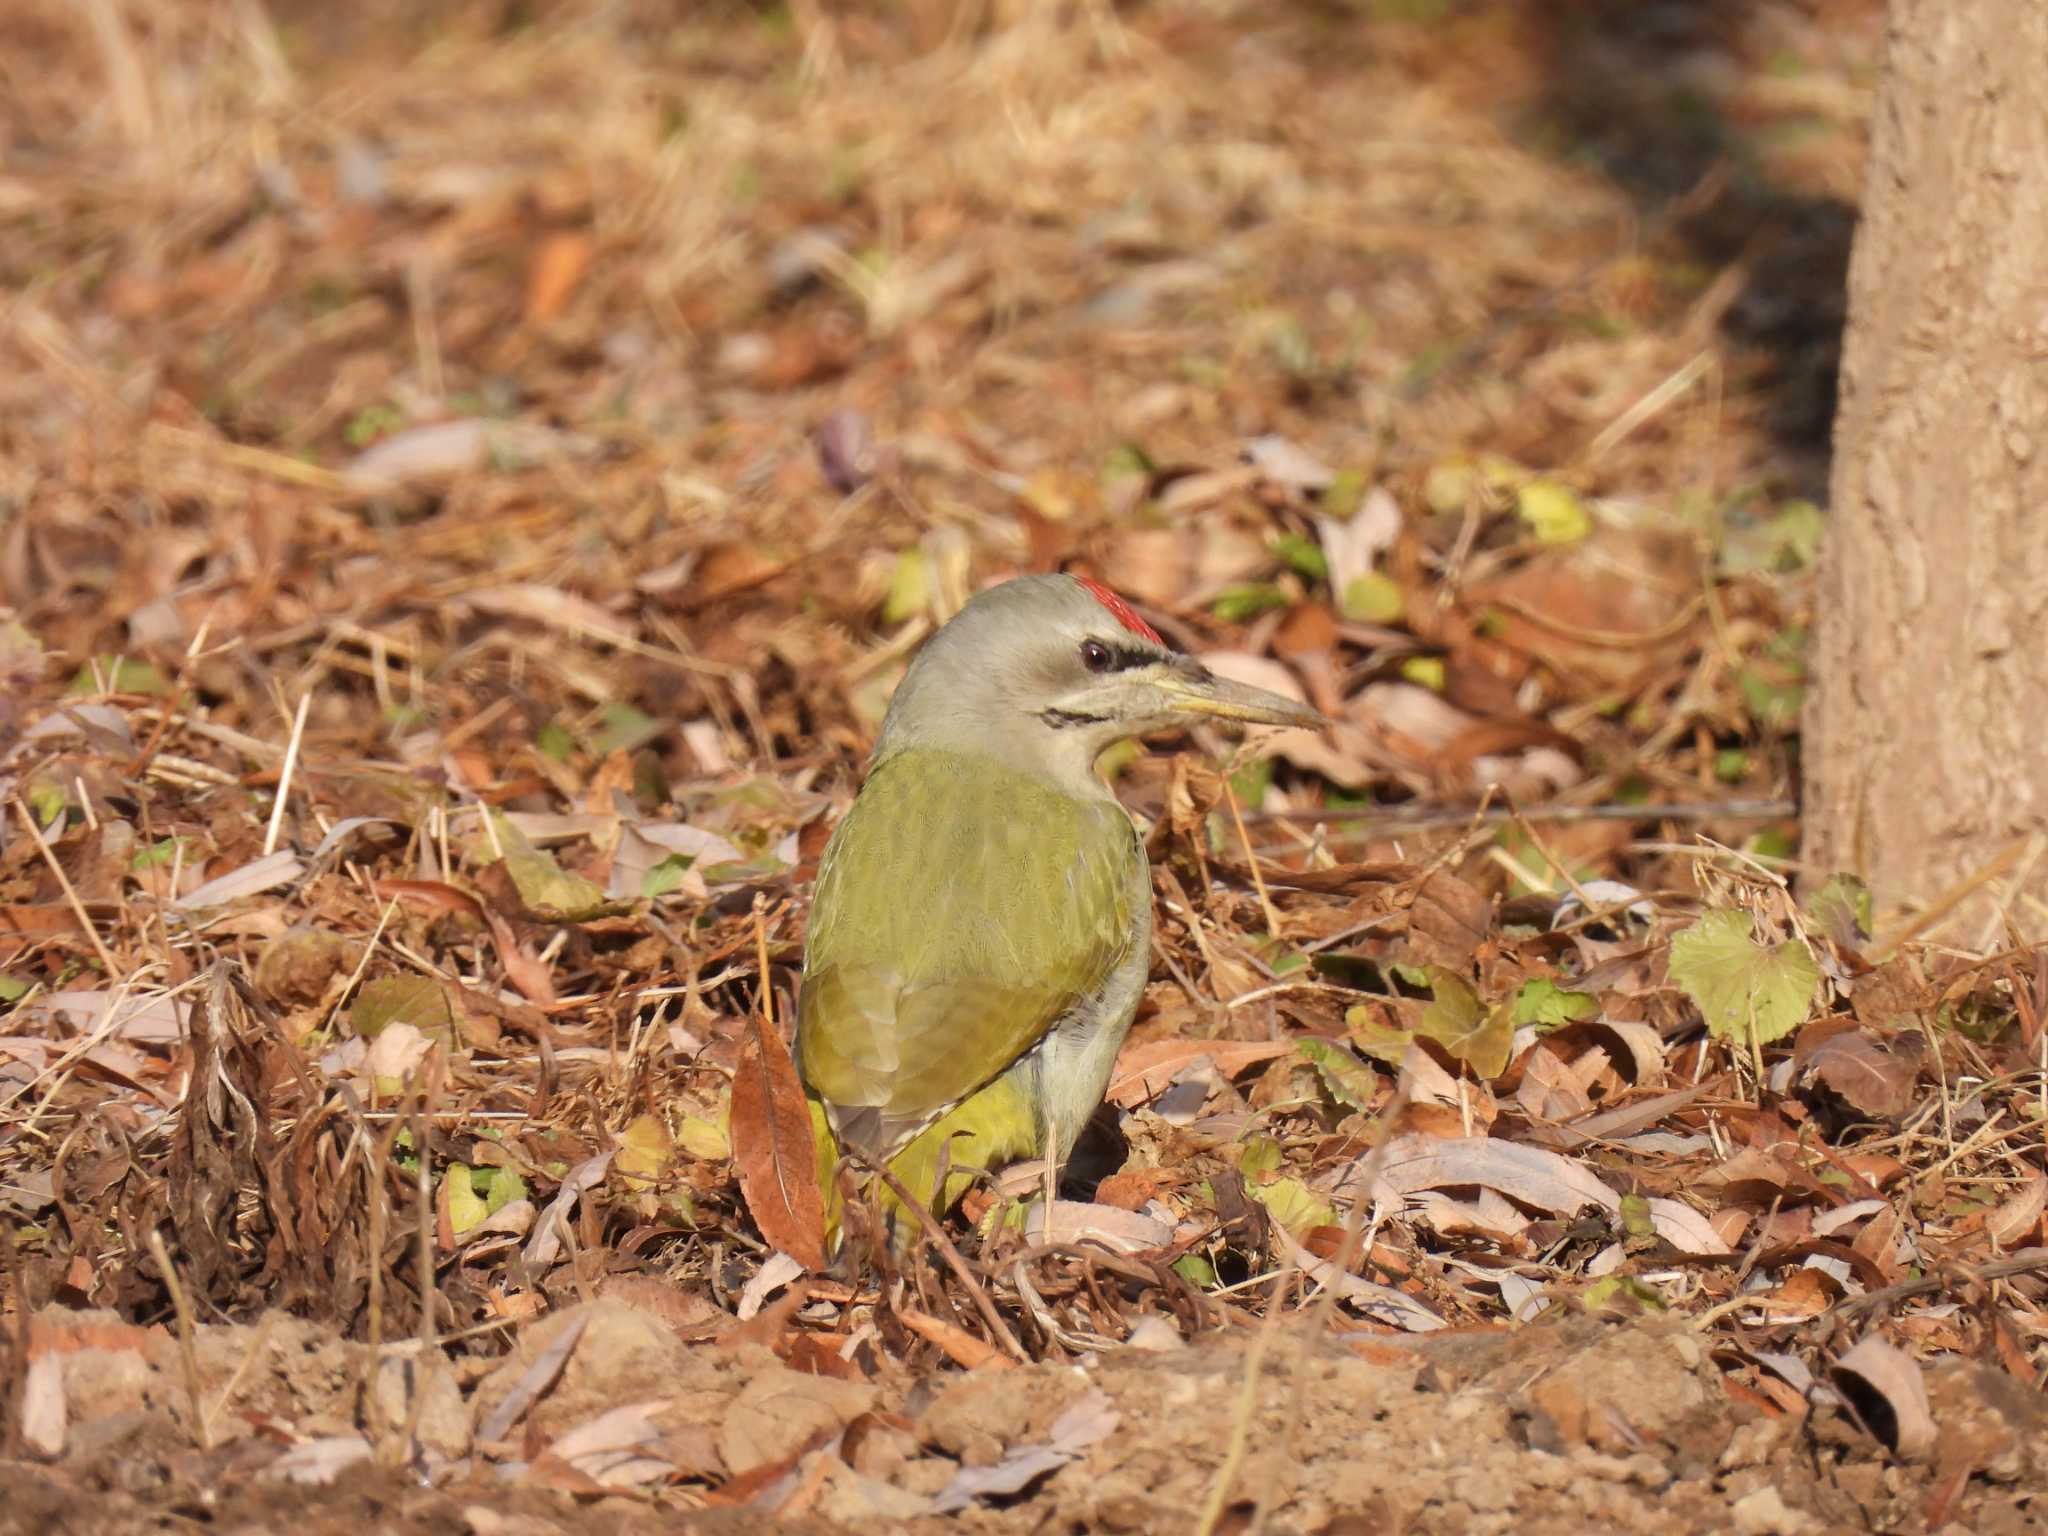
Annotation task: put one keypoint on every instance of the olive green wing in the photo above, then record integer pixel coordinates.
(961, 910)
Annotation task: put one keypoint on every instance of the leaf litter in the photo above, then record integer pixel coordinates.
(455, 567)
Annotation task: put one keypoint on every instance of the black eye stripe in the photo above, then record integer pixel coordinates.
(1110, 656)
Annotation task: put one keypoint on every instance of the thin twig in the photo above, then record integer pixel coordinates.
(1969, 1274)
(936, 1235)
(1348, 1250)
(188, 1350)
(1246, 1406)
(284, 777)
(64, 883)
(1251, 860)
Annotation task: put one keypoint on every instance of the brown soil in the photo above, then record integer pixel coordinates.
(1586, 1423)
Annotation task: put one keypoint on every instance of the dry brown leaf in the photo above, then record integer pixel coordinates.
(558, 265)
(1146, 1070)
(960, 1346)
(1856, 1065)
(1451, 918)
(774, 1148)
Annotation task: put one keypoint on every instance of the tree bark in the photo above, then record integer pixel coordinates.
(1925, 754)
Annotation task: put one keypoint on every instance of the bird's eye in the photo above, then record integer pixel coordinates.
(1095, 656)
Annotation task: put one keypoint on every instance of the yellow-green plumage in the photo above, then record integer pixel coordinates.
(963, 909)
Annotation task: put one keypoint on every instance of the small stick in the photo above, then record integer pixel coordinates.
(938, 1239)
(227, 1393)
(2012, 1264)
(187, 1348)
(1247, 1404)
(424, 1186)
(1251, 860)
(70, 892)
(284, 778)
(1348, 1250)
(17, 1365)
(380, 1164)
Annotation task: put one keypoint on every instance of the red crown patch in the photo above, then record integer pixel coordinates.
(1120, 610)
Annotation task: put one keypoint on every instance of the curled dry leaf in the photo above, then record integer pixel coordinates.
(1886, 1388)
(2020, 1213)
(1531, 1175)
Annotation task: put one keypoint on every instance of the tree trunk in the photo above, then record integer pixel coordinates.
(1926, 758)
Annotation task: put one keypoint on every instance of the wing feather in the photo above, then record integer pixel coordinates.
(962, 909)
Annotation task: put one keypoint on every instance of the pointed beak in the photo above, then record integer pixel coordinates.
(1199, 692)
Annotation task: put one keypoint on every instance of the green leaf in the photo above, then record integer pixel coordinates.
(1425, 672)
(1731, 765)
(910, 587)
(1611, 1291)
(1251, 782)
(1842, 908)
(549, 891)
(1742, 990)
(624, 726)
(420, 1001)
(1635, 1216)
(1789, 541)
(703, 1138)
(465, 1206)
(554, 742)
(1293, 1204)
(1772, 843)
(499, 1187)
(1553, 512)
(1235, 605)
(1127, 461)
(1544, 1002)
(47, 800)
(1304, 554)
(1261, 1156)
(157, 855)
(122, 674)
(1376, 1038)
(1772, 702)
(12, 988)
(665, 876)
(1372, 599)
(1349, 1080)
(1196, 1270)
(1345, 494)
(1458, 1021)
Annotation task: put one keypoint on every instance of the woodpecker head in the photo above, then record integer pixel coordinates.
(1047, 671)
